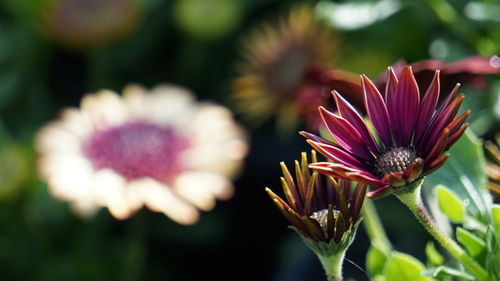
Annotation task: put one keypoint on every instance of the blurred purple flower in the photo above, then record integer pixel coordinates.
(468, 71)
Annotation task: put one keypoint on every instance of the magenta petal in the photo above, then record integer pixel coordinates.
(351, 115)
(336, 154)
(458, 122)
(440, 122)
(345, 134)
(438, 147)
(315, 138)
(364, 178)
(455, 136)
(428, 106)
(323, 168)
(379, 192)
(377, 111)
(432, 166)
(390, 96)
(408, 100)
(446, 102)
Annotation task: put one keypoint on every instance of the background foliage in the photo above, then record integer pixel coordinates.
(195, 43)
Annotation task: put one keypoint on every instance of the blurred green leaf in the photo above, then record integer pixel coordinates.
(375, 260)
(464, 173)
(474, 245)
(404, 267)
(450, 204)
(443, 271)
(495, 210)
(351, 16)
(433, 255)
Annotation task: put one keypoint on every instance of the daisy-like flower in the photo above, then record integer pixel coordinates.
(279, 60)
(321, 209)
(409, 139)
(493, 167)
(88, 23)
(160, 149)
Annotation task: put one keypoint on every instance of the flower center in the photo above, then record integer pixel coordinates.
(137, 149)
(321, 217)
(397, 159)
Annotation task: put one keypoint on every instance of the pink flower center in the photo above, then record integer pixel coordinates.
(137, 149)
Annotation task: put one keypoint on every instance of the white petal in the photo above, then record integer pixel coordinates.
(53, 138)
(158, 197)
(202, 188)
(68, 177)
(85, 208)
(105, 108)
(170, 105)
(77, 122)
(110, 191)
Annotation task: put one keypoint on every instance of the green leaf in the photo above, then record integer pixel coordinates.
(450, 204)
(404, 267)
(442, 271)
(465, 174)
(495, 211)
(375, 260)
(433, 256)
(471, 242)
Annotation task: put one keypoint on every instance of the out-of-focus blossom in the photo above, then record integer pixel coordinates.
(470, 71)
(409, 140)
(160, 149)
(207, 20)
(316, 91)
(324, 211)
(493, 167)
(286, 70)
(82, 24)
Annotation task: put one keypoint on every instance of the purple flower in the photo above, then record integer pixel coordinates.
(410, 137)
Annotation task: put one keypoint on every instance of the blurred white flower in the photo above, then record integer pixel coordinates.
(160, 149)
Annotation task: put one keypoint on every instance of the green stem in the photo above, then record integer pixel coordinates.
(373, 226)
(413, 201)
(333, 265)
(136, 255)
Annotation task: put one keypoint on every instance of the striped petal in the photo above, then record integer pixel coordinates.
(350, 114)
(408, 100)
(439, 146)
(390, 97)
(434, 165)
(455, 136)
(379, 192)
(337, 154)
(377, 111)
(439, 123)
(345, 134)
(428, 106)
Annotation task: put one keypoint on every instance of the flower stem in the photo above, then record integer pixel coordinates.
(413, 201)
(374, 227)
(333, 265)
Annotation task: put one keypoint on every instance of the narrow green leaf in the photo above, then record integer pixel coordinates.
(375, 260)
(441, 271)
(433, 255)
(471, 242)
(495, 210)
(450, 204)
(401, 266)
